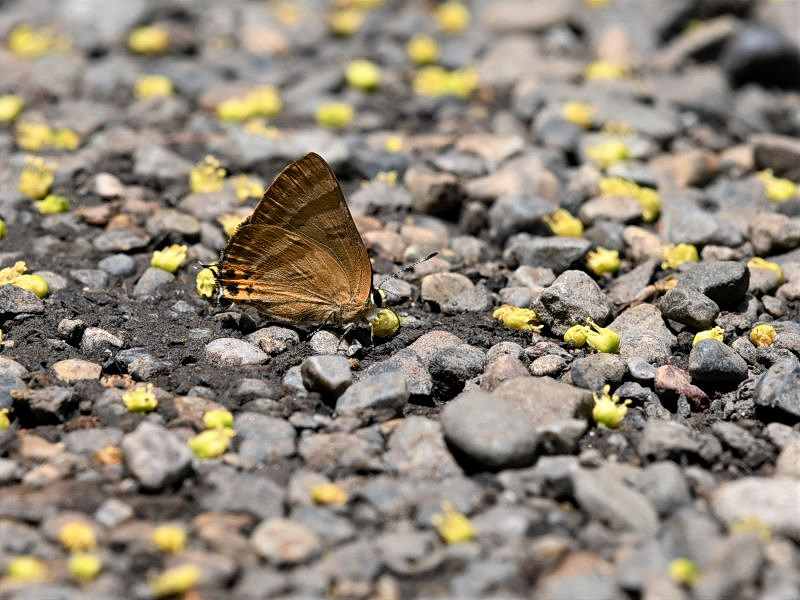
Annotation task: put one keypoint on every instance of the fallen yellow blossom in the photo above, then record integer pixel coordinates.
(140, 399)
(5, 422)
(11, 106)
(601, 70)
(170, 258)
(452, 17)
(435, 81)
(169, 539)
(345, 22)
(607, 153)
(452, 526)
(206, 282)
(328, 493)
(53, 204)
(211, 443)
(362, 74)
(207, 176)
(246, 187)
(385, 324)
(149, 39)
(777, 189)
(31, 42)
(36, 284)
(608, 410)
(394, 144)
(26, 569)
(77, 536)
(562, 223)
(684, 571)
(230, 223)
(648, 198)
(513, 317)
(715, 333)
(218, 419)
(175, 581)
(579, 113)
(153, 86)
(603, 260)
(422, 49)
(36, 178)
(334, 115)
(763, 335)
(677, 254)
(759, 263)
(84, 567)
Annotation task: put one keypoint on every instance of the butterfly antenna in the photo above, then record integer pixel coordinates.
(405, 269)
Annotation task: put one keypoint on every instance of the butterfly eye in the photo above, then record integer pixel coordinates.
(377, 298)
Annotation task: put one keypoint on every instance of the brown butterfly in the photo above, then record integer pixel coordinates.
(299, 257)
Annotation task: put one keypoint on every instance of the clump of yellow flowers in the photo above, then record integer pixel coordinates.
(140, 399)
(363, 74)
(677, 254)
(153, 86)
(579, 113)
(16, 275)
(175, 581)
(715, 333)
(777, 189)
(435, 81)
(10, 107)
(601, 339)
(216, 439)
(328, 493)
(207, 176)
(36, 177)
(452, 17)
(32, 42)
(206, 282)
(562, 223)
(169, 259)
(763, 335)
(422, 49)
(608, 152)
(452, 526)
(759, 263)
(169, 539)
(602, 261)
(149, 39)
(261, 101)
(334, 115)
(35, 137)
(385, 324)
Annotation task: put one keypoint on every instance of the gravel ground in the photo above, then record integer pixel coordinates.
(619, 161)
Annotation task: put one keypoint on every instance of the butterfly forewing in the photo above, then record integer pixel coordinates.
(299, 256)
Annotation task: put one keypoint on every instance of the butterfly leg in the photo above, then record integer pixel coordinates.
(347, 329)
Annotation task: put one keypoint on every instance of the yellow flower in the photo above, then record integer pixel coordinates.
(218, 419)
(684, 571)
(603, 260)
(29, 42)
(260, 127)
(452, 17)
(175, 581)
(234, 109)
(328, 493)
(207, 176)
(140, 399)
(759, 263)
(263, 101)
(334, 115)
(247, 187)
(362, 74)
(763, 335)
(596, 3)
(5, 422)
(345, 22)
(752, 525)
(576, 335)
(648, 198)
(3, 229)
(153, 86)
(452, 526)
(65, 139)
(562, 223)
(77, 536)
(617, 128)
(605, 70)
(26, 569)
(604, 154)
(434, 81)
(579, 113)
(517, 318)
(602, 339)
(169, 539)
(10, 107)
(85, 567)
(387, 177)
(53, 204)
(394, 144)
(149, 39)
(385, 324)
(8, 274)
(35, 284)
(777, 189)
(422, 49)
(715, 333)
(206, 282)
(608, 411)
(36, 177)
(170, 258)
(211, 443)
(33, 137)
(677, 254)
(230, 223)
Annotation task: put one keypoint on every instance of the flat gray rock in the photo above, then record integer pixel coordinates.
(156, 456)
(572, 298)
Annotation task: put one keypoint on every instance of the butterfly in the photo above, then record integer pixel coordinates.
(298, 257)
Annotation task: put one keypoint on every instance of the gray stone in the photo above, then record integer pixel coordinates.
(155, 456)
(243, 492)
(725, 282)
(640, 369)
(775, 393)
(411, 366)
(90, 278)
(151, 160)
(481, 577)
(547, 365)
(430, 343)
(665, 439)
(327, 374)
(595, 370)
(643, 334)
(44, 406)
(16, 301)
(330, 452)
(331, 528)
(788, 463)
(556, 253)
(759, 53)
(625, 288)
(475, 299)
(416, 448)
(233, 352)
(274, 340)
(606, 498)
(375, 398)
(451, 367)
(97, 340)
(489, 430)
(517, 212)
(546, 401)
(120, 240)
(264, 439)
(152, 279)
(712, 361)
(285, 542)
(573, 298)
(689, 306)
(583, 585)
(772, 500)
(11, 368)
(119, 265)
(441, 288)
(142, 365)
(665, 486)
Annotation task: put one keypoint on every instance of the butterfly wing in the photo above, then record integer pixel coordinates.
(299, 255)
